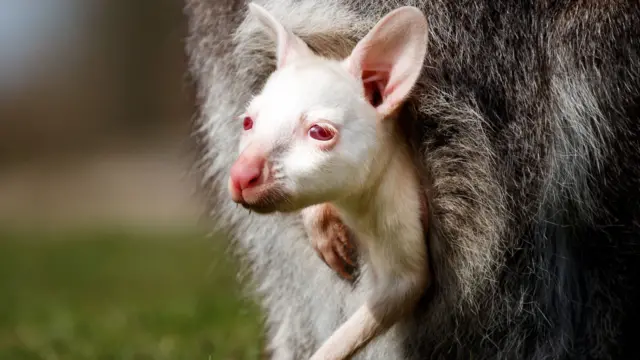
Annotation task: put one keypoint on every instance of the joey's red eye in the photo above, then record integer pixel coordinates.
(320, 133)
(247, 123)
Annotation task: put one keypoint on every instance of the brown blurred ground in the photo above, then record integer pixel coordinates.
(100, 137)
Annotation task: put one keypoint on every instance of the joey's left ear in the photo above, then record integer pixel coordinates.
(389, 59)
(289, 46)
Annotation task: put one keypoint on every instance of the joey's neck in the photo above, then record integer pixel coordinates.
(392, 179)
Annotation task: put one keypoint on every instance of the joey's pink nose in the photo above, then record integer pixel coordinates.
(247, 173)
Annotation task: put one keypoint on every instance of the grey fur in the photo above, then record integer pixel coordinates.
(526, 126)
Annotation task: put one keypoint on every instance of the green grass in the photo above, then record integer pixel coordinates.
(120, 296)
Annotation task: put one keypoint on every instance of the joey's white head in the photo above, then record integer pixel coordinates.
(313, 133)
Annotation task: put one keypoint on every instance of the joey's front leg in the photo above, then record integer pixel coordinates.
(331, 238)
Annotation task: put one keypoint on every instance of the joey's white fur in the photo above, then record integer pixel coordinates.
(323, 131)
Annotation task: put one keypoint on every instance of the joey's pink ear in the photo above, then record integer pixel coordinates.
(289, 47)
(389, 59)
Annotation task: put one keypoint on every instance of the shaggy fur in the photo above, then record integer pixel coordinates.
(526, 126)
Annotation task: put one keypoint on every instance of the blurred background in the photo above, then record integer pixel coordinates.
(102, 255)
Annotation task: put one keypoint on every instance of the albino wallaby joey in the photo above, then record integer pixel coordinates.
(322, 131)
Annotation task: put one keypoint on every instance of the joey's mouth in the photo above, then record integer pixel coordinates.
(259, 208)
(264, 199)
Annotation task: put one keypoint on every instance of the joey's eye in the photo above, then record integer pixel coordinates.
(247, 123)
(320, 133)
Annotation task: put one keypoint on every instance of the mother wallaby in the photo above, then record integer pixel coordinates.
(525, 123)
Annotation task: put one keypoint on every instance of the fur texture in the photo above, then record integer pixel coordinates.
(526, 128)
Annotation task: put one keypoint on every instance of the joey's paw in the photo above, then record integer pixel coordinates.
(333, 241)
(335, 248)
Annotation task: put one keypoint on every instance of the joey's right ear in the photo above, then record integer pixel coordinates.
(289, 47)
(389, 59)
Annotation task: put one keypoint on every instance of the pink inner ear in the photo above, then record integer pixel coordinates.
(375, 82)
(389, 59)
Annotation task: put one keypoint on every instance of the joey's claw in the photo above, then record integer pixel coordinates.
(335, 262)
(345, 250)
